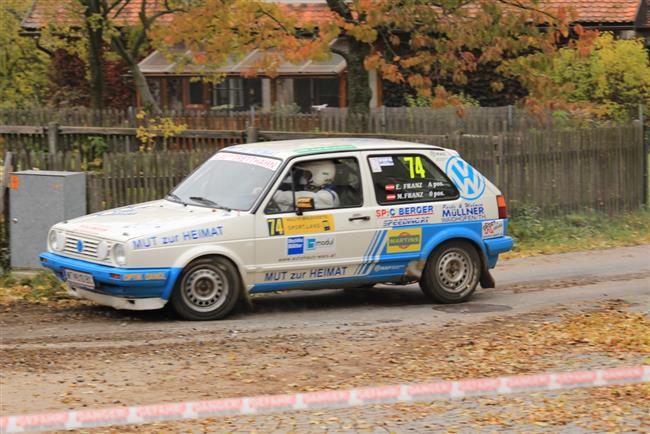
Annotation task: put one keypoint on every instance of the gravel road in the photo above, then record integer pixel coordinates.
(79, 355)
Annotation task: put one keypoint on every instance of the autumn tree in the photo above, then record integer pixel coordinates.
(95, 29)
(415, 42)
(22, 65)
(615, 76)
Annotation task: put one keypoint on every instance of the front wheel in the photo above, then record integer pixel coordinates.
(452, 272)
(208, 289)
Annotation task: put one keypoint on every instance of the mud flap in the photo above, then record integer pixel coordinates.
(486, 280)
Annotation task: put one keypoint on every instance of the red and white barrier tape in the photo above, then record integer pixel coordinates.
(318, 400)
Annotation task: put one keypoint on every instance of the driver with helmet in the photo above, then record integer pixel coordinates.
(316, 183)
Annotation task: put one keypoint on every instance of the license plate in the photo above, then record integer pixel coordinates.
(77, 278)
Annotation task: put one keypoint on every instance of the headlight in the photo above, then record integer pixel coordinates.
(56, 239)
(119, 254)
(102, 250)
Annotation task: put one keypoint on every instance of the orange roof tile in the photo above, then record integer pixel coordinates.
(59, 12)
(600, 11)
(587, 11)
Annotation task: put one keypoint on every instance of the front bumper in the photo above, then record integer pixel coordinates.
(122, 288)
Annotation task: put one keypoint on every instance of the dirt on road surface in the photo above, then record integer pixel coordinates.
(557, 312)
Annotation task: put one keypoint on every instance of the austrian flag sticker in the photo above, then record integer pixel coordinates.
(390, 187)
(390, 197)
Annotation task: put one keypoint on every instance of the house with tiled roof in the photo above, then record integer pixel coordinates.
(310, 83)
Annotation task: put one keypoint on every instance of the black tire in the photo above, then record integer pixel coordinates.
(452, 272)
(207, 289)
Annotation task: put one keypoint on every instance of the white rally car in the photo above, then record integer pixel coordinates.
(301, 214)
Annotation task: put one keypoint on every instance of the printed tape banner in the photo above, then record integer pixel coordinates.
(442, 390)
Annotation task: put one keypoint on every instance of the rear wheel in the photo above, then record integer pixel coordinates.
(208, 289)
(452, 272)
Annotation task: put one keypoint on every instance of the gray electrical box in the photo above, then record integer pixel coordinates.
(37, 200)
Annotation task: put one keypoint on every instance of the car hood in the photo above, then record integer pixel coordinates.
(135, 221)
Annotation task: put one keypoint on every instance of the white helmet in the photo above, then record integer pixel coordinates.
(322, 172)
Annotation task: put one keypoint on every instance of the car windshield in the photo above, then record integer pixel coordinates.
(228, 180)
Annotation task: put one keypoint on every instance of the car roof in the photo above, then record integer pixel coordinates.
(290, 148)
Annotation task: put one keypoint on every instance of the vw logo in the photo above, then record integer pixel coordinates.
(80, 246)
(469, 182)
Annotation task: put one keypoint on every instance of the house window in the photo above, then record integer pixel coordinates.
(236, 93)
(196, 93)
(174, 93)
(229, 93)
(154, 88)
(316, 91)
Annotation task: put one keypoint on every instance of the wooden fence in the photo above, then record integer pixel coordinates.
(384, 120)
(89, 140)
(558, 171)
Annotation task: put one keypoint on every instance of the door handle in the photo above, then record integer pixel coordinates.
(360, 217)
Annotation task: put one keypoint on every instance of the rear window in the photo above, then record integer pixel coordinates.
(409, 178)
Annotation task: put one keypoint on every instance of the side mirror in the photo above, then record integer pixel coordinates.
(304, 204)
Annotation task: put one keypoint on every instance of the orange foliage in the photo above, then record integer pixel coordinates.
(408, 41)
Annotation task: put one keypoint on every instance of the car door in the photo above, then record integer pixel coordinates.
(407, 190)
(323, 246)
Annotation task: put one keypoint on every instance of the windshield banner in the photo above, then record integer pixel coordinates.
(267, 163)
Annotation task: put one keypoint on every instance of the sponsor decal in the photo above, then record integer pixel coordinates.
(493, 229)
(404, 240)
(188, 235)
(384, 161)
(378, 268)
(300, 224)
(408, 221)
(295, 245)
(320, 244)
(301, 248)
(267, 163)
(461, 212)
(146, 276)
(469, 182)
(376, 163)
(405, 216)
(314, 273)
(408, 211)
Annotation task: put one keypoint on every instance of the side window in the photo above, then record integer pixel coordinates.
(408, 178)
(327, 184)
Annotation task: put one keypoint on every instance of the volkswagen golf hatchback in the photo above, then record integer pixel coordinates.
(299, 214)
